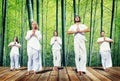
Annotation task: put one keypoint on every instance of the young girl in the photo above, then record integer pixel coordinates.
(14, 54)
(55, 43)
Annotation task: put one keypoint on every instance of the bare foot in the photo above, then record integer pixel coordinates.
(34, 73)
(79, 73)
(106, 69)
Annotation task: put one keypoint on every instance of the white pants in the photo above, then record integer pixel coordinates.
(80, 55)
(56, 57)
(33, 59)
(106, 59)
(14, 61)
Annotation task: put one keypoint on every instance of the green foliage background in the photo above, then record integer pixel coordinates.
(15, 26)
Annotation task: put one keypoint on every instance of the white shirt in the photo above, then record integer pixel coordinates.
(33, 41)
(105, 45)
(14, 49)
(56, 44)
(78, 36)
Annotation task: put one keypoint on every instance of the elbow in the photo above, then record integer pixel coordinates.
(88, 30)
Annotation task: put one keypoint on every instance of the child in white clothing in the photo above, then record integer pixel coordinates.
(14, 54)
(105, 51)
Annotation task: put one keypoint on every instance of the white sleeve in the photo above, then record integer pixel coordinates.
(84, 27)
(18, 44)
(109, 39)
(71, 28)
(10, 44)
(59, 41)
(39, 35)
(99, 40)
(52, 41)
(27, 37)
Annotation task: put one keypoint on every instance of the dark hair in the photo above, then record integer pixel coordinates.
(102, 31)
(78, 17)
(54, 33)
(17, 39)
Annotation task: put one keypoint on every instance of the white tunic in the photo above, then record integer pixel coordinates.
(56, 44)
(105, 45)
(56, 50)
(33, 41)
(105, 52)
(14, 49)
(78, 36)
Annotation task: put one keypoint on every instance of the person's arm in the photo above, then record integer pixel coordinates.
(85, 30)
(28, 36)
(18, 45)
(109, 40)
(52, 41)
(59, 40)
(38, 35)
(10, 45)
(71, 32)
(99, 41)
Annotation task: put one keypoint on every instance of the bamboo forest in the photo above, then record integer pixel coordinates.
(16, 17)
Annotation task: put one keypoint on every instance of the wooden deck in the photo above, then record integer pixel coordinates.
(64, 74)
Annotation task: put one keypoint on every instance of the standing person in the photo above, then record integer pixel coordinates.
(55, 43)
(105, 51)
(33, 49)
(14, 54)
(79, 31)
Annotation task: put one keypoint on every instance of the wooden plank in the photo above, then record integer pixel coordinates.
(114, 73)
(3, 68)
(35, 77)
(98, 75)
(4, 72)
(63, 74)
(117, 68)
(8, 75)
(84, 77)
(72, 75)
(91, 76)
(18, 76)
(106, 74)
(53, 76)
(46, 74)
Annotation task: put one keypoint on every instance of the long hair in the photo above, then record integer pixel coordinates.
(36, 25)
(17, 39)
(54, 33)
(78, 17)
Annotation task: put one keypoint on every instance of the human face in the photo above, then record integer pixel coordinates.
(77, 19)
(33, 26)
(55, 34)
(102, 34)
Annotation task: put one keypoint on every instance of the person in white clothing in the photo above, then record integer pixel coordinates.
(14, 54)
(79, 31)
(105, 51)
(33, 49)
(56, 46)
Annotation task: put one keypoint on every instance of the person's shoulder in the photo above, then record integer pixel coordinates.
(73, 25)
(82, 25)
(12, 42)
(59, 37)
(29, 31)
(53, 37)
(99, 38)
